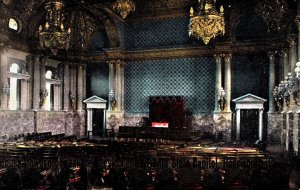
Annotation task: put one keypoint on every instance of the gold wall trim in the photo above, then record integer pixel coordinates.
(185, 52)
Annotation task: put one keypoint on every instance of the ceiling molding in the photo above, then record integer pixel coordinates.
(184, 52)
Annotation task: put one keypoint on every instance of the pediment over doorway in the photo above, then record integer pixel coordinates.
(95, 102)
(249, 101)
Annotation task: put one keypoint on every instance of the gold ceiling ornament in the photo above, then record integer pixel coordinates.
(207, 23)
(52, 34)
(124, 7)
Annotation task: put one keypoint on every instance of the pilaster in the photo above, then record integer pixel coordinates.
(271, 56)
(36, 83)
(228, 58)
(43, 91)
(66, 87)
(218, 58)
(4, 79)
(80, 87)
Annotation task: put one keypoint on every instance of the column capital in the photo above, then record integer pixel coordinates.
(218, 57)
(29, 58)
(228, 57)
(283, 53)
(271, 55)
(72, 65)
(297, 20)
(116, 62)
(291, 39)
(82, 65)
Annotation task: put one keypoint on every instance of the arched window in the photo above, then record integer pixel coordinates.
(49, 88)
(13, 24)
(15, 88)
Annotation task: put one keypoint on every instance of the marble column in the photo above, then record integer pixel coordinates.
(84, 82)
(119, 85)
(218, 79)
(282, 128)
(36, 83)
(228, 58)
(297, 20)
(4, 79)
(260, 125)
(238, 124)
(90, 122)
(292, 52)
(57, 103)
(284, 62)
(122, 85)
(287, 133)
(24, 97)
(296, 133)
(111, 81)
(43, 80)
(271, 56)
(104, 123)
(66, 89)
(80, 87)
(30, 63)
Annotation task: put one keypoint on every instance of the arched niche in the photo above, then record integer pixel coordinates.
(94, 106)
(249, 102)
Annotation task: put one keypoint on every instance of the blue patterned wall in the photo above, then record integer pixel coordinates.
(250, 75)
(193, 78)
(147, 34)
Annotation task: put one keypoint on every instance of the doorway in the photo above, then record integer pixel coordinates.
(98, 115)
(249, 125)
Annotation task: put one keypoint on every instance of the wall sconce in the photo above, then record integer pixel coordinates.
(112, 100)
(222, 99)
(6, 89)
(296, 93)
(278, 96)
(43, 96)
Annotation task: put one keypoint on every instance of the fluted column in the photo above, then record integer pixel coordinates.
(297, 20)
(57, 104)
(4, 79)
(66, 89)
(260, 124)
(42, 79)
(271, 81)
(284, 64)
(228, 58)
(36, 84)
(287, 134)
(292, 52)
(122, 85)
(80, 87)
(111, 81)
(119, 85)
(84, 82)
(89, 122)
(72, 81)
(30, 63)
(296, 133)
(238, 124)
(218, 80)
(24, 98)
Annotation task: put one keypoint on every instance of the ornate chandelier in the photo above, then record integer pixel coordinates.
(124, 7)
(207, 23)
(53, 35)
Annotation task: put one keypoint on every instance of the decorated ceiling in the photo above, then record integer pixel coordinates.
(273, 19)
